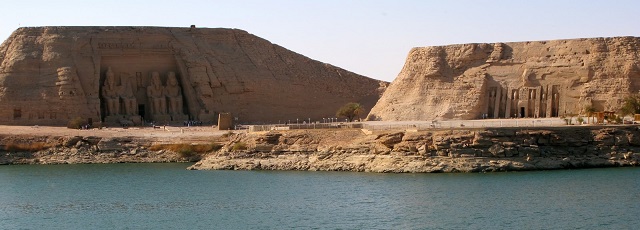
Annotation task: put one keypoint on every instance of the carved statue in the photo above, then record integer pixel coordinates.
(155, 92)
(532, 95)
(68, 85)
(110, 93)
(174, 94)
(496, 54)
(128, 98)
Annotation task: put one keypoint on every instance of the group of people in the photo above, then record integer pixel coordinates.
(192, 123)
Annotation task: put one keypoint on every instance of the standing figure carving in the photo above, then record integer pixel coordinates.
(128, 98)
(155, 92)
(174, 94)
(110, 93)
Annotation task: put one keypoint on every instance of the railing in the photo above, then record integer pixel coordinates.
(335, 125)
(463, 124)
(415, 125)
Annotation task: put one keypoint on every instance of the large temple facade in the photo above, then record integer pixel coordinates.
(127, 75)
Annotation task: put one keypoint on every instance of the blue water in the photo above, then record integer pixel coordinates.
(166, 196)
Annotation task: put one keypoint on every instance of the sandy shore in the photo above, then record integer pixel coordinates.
(61, 145)
(163, 134)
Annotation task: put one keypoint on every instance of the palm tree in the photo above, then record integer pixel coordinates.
(358, 110)
(590, 110)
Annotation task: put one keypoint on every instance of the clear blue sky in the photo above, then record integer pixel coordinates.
(368, 37)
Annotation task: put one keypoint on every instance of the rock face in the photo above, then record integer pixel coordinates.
(454, 150)
(460, 150)
(519, 79)
(50, 75)
(28, 149)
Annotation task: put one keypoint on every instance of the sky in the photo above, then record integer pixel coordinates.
(368, 37)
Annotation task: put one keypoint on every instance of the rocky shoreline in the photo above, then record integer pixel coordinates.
(406, 151)
(27, 149)
(459, 150)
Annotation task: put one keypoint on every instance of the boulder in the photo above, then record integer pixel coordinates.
(497, 150)
(109, 145)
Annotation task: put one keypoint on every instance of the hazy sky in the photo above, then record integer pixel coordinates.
(368, 37)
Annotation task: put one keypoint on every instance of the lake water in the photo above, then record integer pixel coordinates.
(166, 196)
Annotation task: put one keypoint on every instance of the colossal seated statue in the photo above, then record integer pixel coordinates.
(128, 98)
(110, 93)
(155, 92)
(173, 94)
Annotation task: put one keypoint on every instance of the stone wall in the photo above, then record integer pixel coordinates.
(517, 79)
(50, 75)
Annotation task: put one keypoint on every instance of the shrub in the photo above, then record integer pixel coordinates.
(614, 119)
(227, 134)
(618, 119)
(76, 123)
(580, 120)
(239, 146)
(207, 147)
(187, 150)
(27, 147)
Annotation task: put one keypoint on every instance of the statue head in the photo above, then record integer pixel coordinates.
(155, 79)
(110, 78)
(125, 82)
(171, 80)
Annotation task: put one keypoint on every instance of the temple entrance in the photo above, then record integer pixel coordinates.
(521, 112)
(141, 111)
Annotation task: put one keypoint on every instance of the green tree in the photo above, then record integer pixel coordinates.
(631, 105)
(351, 110)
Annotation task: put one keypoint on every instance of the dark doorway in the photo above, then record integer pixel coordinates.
(141, 111)
(521, 111)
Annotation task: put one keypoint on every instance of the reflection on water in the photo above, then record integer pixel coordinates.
(167, 196)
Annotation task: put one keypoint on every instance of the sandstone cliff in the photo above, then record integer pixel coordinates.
(49, 75)
(517, 79)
